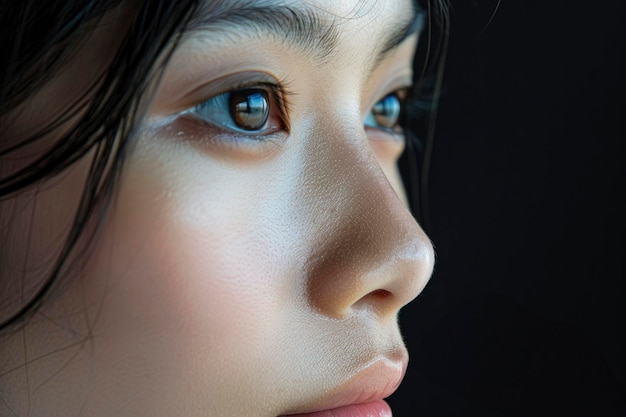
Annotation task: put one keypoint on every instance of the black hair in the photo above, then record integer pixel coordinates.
(421, 108)
(37, 38)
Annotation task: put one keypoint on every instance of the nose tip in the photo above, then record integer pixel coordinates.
(372, 254)
(399, 280)
(377, 271)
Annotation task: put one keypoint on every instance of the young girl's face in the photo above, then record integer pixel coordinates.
(259, 248)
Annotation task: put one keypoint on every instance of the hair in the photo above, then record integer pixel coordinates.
(38, 38)
(421, 112)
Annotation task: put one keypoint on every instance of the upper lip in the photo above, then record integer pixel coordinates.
(376, 380)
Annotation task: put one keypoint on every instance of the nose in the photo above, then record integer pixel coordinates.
(369, 252)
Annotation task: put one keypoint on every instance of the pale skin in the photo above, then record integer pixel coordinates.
(236, 274)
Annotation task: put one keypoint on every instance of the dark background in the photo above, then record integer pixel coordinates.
(526, 312)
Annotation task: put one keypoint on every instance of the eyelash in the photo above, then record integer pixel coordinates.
(419, 101)
(274, 94)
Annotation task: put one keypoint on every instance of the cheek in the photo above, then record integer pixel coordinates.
(187, 262)
(201, 264)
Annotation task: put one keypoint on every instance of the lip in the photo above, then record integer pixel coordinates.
(363, 394)
(378, 408)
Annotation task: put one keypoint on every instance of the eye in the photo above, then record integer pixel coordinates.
(249, 109)
(385, 114)
(254, 110)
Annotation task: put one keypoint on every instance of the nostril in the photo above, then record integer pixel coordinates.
(380, 295)
(377, 300)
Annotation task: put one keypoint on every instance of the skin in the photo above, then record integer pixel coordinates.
(231, 276)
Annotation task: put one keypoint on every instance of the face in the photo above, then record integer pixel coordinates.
(259, 247)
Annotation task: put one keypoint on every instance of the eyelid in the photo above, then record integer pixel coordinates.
(277, 90)
(396, 134)
(224, 139)
(403, 93)
(401, 83)
(277, 94)
(233, 82)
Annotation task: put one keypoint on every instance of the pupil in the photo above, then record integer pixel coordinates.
(387, 111)
(249, 108)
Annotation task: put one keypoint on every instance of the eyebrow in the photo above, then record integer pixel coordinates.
(302, 28)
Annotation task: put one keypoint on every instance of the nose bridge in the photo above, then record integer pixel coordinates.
(369, 251)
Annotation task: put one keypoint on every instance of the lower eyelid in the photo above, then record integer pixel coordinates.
(208, 129)
(382, 134)
(387, 149)
(223, 142)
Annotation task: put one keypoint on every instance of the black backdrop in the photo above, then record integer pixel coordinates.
(526, 312)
